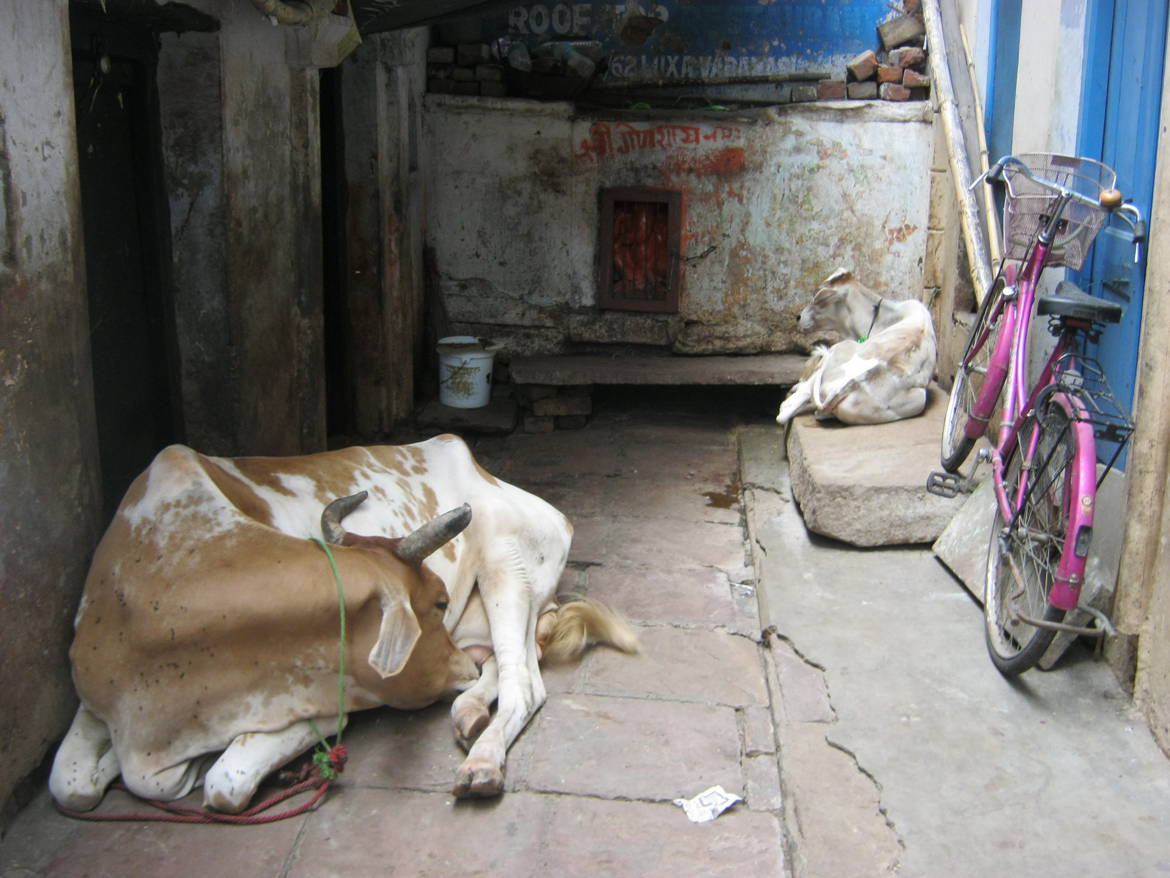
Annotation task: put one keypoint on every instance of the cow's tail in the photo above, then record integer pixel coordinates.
(583, 622)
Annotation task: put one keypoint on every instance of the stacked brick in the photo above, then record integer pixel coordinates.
(545, 407)
(466, 69)
(897, 74)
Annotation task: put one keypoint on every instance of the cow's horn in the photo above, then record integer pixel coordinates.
(412, 549)
(337, 510)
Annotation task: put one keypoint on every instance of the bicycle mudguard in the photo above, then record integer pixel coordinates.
(1066, 586)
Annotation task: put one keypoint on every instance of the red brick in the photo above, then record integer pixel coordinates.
(831, 90)
(563, 405)
(863, 66)
(914, 79)
(892, 91)
(889, 74)
(900, 31)
(908, 56)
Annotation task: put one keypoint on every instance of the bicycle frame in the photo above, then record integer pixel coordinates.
(1011, 357)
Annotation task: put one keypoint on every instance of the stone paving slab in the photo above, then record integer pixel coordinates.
(671, 543)
(630, 748)
(707, 667)
(616, 838)
(366, 832)
(866, 485)
(44, 843)
(690, 597)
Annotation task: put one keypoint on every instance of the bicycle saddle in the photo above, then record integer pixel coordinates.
(1069, 300)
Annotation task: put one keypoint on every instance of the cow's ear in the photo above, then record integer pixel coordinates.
(396, 638)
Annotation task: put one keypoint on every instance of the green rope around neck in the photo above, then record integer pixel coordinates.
(321, 757)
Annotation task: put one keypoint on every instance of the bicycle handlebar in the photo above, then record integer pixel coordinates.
(1109, 200)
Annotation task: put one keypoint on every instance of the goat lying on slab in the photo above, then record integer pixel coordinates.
(881, 370)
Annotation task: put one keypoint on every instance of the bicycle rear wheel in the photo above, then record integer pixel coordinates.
(1024, 553)
(970, 378)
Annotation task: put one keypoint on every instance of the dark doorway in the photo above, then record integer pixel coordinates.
(127, 245)
(338, 406)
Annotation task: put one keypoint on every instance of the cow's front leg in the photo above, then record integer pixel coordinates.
(233, 779)
(472, 710)
(512, 610)
(85, 763)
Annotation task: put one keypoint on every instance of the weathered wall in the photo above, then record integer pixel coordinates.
(49, 486)
(774, 201)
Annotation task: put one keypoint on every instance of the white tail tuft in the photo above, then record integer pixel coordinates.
(584, 622)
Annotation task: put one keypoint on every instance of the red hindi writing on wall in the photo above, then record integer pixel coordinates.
(622, 138)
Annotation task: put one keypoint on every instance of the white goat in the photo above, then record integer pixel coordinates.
(880, 372)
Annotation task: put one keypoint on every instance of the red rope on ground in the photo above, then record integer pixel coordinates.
(250, 817)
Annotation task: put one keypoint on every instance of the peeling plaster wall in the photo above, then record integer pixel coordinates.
(49, 486)
(774, 201)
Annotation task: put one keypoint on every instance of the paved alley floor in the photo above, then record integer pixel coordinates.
(843, 693)
(654, 497)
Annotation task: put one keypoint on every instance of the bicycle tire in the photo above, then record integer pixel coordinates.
(1026, 553)
(970, 378)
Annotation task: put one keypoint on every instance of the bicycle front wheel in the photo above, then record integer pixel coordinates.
(1025, 552)
(970, 378)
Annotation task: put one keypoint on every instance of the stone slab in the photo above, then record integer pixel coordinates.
(629, 748)
(598, 837)
(780, 370)
(866, 485)
(723, 669)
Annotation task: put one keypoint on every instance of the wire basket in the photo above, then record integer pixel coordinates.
(1028, 206)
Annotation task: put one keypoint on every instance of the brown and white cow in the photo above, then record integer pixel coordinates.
(209, 618)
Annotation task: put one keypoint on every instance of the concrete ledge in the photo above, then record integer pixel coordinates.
(780, 370)
(867, 485)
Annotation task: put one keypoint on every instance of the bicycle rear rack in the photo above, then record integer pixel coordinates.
(1084, 378)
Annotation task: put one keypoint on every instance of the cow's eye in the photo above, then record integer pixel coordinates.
(442, 605)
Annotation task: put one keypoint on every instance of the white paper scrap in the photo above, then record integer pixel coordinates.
(708, 804)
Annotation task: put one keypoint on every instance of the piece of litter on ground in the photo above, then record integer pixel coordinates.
(708, 804)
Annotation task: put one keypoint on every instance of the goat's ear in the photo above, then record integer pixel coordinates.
(839, 276)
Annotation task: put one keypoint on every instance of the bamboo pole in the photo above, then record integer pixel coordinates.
(990, 215)
(979, 263)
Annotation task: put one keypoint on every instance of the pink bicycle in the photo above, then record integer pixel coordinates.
(1045, 463)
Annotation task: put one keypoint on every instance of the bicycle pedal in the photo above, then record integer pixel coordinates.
(948, 484)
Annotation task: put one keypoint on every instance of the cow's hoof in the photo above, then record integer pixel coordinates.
(478, 780)
(469, 724)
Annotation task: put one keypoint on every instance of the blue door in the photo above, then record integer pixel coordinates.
(1125, 51)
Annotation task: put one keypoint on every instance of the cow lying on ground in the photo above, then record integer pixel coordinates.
(880, 372)
(209, 620)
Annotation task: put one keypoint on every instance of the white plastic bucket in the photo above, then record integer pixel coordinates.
(465, 371)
